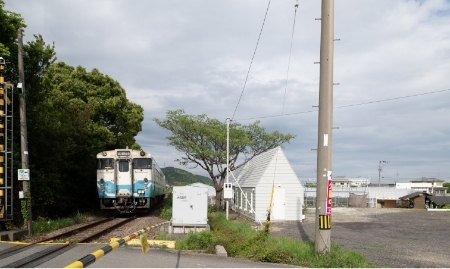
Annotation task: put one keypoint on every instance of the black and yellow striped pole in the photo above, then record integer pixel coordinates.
(94, 256)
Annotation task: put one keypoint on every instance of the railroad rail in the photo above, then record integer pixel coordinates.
(70, 238)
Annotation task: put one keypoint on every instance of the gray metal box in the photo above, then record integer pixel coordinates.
(189, 206)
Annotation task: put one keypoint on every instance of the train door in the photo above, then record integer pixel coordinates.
(123, 178)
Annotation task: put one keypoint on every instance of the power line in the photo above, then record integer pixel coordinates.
(248, 72)
(290, 54)
(359, 104)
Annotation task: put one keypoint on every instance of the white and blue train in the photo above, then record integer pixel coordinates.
(129, 180)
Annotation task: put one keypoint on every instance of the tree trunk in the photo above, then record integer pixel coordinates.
(218, 198)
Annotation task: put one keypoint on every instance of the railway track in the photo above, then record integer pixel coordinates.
(66, 240)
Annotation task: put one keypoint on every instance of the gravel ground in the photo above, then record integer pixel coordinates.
(386, 237)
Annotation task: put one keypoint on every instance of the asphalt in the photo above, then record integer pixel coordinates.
(132, 256)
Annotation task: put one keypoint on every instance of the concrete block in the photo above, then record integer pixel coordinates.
(220, 251)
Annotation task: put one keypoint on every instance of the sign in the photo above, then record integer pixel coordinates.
(23, 174)
(329, 191)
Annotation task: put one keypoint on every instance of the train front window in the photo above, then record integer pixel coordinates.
(123, 166)
(106, 163)
(141, 163)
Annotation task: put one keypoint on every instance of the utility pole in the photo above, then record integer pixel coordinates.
(228, 156)
(324, 147)
(23, 128)
(380, 168)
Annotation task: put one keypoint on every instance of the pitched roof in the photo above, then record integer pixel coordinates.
(440, 200)
(251, 174)
(414, 195)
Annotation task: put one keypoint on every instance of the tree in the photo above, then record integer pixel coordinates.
(79, 114)
(203, 141)
(447, 184)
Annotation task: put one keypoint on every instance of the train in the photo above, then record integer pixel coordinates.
(129, 181)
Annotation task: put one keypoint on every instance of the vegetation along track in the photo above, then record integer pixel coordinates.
(69, 239)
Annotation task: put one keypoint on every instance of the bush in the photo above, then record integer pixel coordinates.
(203, 240)
(166, 211)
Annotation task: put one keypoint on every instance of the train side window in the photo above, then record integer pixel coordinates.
(142, 163)
(123, 166)
(105, 163)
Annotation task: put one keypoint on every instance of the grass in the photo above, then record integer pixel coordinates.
(42, 225)
(242, 241)
(166, 210)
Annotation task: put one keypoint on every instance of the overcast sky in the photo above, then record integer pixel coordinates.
(392, 63)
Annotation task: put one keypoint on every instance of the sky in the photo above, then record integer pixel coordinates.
(392, 63)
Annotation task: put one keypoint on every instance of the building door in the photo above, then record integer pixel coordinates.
(279, 204)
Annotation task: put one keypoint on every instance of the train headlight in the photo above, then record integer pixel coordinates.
(104, 153)
(142, 153)
(140, 192)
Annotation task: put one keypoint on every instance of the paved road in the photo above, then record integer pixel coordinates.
(132, 257)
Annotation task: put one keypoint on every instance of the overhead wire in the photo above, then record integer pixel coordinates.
(253, 57)
(290, 54)
(344, 106)
(282, 112)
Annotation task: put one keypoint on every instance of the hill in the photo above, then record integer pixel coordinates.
(180, 177)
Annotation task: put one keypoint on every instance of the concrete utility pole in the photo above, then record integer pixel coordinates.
(324, 147)
(23, 128)
(380, 168)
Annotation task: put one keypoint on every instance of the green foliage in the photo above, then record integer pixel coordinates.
(447, 184)
(180, 177)
(44, 225)
(166, 211)
(241, 240)
(204, 142)
(24, 211)
(203, 240)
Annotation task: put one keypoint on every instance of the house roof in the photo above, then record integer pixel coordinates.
(270, 164)
(414, 195)
(425, 179)
(251, 173)
(440, 200)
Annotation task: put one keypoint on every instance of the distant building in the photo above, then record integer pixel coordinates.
(345, 182)
(211, 192)
(433, 186)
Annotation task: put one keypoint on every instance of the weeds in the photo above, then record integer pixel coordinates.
(42, 225)
(166, 211)
(242, 241)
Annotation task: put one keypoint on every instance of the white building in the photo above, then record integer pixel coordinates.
(429, 185)
(345, 182)
(211, 192)
(253, 190)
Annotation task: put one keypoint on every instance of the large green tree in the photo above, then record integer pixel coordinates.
(72, 114)
(80, 113)
(203, 140)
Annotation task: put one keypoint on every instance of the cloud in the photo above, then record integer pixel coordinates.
(195, 55)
